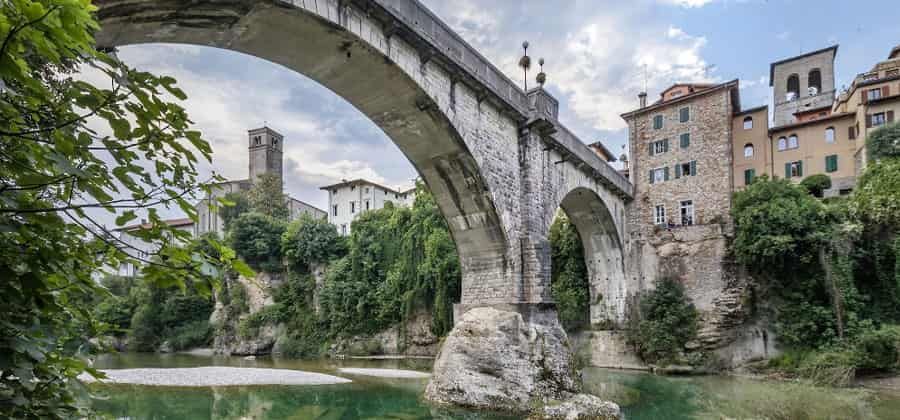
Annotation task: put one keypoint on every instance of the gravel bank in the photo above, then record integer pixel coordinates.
(385, 373)
(215, 376)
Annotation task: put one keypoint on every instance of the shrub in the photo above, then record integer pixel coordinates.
(878, 349)
(836, 367)
(816, 184)
(884, 142)
(877, 195)
(257, 239)
(569, 277)
(193, 334)
(311, 241)
(668, 321)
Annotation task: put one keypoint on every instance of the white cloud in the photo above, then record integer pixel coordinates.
(687, 3)
(784, 35)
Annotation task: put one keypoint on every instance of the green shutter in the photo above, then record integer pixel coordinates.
(831, 163)
(677, 171)
(749, 174)
(693, 167)
(684, 114)
(800, 168)
(787, 170)
(651, 176)
(685, 140)
(652, 143)
(665, 145)
(666, 173)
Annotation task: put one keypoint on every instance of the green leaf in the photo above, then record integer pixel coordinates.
(125, 217)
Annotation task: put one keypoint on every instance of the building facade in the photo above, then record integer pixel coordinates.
(141, 249)
(265, 150)
(348, 199)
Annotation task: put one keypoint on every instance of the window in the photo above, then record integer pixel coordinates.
(831, 163)
(748, 123)
(686, 169)
(782, 143)
(344, 229)
(275, 141)
(676, 93)
(657, 122)
(659, 146)
(352, 207)
(749, 175)
(814, 82)
(892, 73)
(334, 210)
(684, 114)
(829, 135)
(367, 190)
(878, 119)
(748, 150)
(873, 94)
(870, 76)
(793, 88)
(257, 140)
(685, 140)
(367, 205)
(793, 169)
(659, 215)
(793, 142)
(352, 187)
(687, 213)
(659, 175)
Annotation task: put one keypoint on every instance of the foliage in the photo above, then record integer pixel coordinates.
(884, 142)
(237, 204)
(777, 225)
(169, 315)
(310, 241)
(257, 239)
(569, 278)
(267, 197)
(876, 199)
(816, 184)
(57, 175)
(668, 321)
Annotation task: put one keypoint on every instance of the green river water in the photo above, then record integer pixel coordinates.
(641, 395)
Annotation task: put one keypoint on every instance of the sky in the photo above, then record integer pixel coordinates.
(599, 55)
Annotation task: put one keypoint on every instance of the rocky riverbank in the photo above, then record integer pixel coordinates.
(213, 376)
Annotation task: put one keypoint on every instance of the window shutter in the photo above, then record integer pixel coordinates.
(868, 121)
(651, 176)
(890, 116)
(693, 167)
(800, 168)
(749, 174)
(665, 145)
(651, 148)
(787, 170)
(677, 171)
(666, 173)
(886, 91)
(851, 133)
(685, 140)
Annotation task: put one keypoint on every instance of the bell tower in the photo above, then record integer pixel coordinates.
(265, 149)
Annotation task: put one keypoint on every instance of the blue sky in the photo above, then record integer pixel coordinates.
(595, 51)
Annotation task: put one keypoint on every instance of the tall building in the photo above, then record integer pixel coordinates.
(265, 150)
(349, 199)
(802, 84)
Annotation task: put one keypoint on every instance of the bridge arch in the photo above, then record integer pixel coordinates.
(455, 134)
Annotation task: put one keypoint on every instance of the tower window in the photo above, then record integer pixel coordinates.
(275, 141)
(814, 83)
(748, 150)
(257, 140)
(829, 135)
(748, 123)
(793, 87)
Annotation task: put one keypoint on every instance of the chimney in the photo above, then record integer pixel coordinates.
(642, 97)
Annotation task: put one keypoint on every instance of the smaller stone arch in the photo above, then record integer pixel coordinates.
(603, 254)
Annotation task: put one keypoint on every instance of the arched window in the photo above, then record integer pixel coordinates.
(793, 87)
(793, 142)
(782, 143)
(748, 150)
(748, 123)
(814, 84)
(829, 135)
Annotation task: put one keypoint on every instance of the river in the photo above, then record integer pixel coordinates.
(641, 395)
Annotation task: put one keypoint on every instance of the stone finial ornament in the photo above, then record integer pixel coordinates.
(541, 77)
(525, 62)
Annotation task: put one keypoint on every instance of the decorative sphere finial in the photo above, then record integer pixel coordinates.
(525, 62)
(541, 77)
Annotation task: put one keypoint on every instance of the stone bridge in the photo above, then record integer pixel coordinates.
(497, 158)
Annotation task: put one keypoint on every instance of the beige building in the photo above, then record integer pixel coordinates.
(751, 149)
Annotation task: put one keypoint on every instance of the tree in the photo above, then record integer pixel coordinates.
(239, 204)
(266, 197)
(884, 142)
(877, 195)
(56, 174)
(668, 321)
(256, 238)
(569, 276)
(816, 184)
(310, 241)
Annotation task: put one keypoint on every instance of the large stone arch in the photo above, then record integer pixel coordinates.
(459, 139)
(603, 253)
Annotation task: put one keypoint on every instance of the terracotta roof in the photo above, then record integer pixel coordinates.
(895, 52)
(359, 181)
(789, 59)
(811, 122)
(752, 110)
(729, 84)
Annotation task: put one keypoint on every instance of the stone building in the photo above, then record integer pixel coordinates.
(265, 149)
(348, 199)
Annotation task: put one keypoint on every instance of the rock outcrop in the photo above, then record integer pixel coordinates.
(257, 295)
(578, 407)
(496, 359)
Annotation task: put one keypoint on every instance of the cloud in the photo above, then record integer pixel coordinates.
(783, 36)
(687, 3)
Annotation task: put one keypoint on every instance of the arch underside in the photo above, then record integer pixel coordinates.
(376, 74)
(603, 255)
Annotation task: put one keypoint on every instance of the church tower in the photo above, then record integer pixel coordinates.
(802, 85)
(265, 148)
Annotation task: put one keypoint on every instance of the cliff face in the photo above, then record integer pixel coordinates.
(254, 294)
